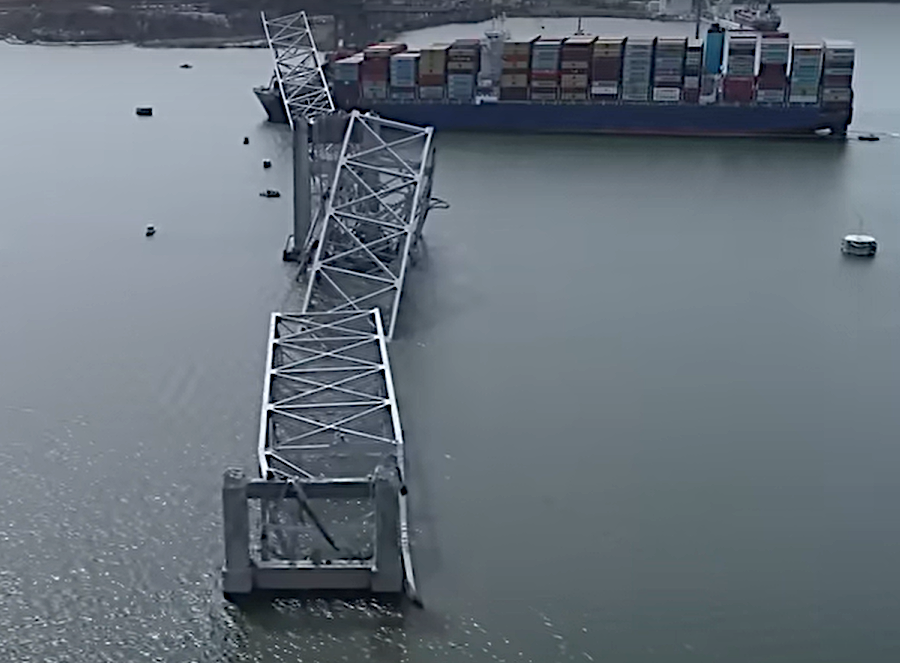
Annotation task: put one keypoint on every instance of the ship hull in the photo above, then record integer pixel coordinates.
(272, 103)
(627, 119)
(600, 118)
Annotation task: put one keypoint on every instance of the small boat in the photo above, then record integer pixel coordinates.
(859, 245)
(869, 137)
(151, 231)
(187, 65)
(246, 140)
(267, 163)
(270, 193)
(144, 111)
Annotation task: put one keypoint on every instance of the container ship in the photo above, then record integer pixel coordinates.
(732, 83)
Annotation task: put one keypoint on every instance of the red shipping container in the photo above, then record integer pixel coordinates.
(431, 80)
(837, 81)
(738, 89)
(514, 93)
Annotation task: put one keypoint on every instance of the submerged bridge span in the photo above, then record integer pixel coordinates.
(327, 510)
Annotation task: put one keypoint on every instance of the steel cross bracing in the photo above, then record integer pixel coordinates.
(298, 67)
(329, 413)
(373, 218)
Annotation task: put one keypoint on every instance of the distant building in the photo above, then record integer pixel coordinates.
(671, 7)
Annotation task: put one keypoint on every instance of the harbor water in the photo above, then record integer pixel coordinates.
(650, 409)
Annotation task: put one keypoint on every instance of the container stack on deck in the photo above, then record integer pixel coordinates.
(637, 64)
(462, 68)
(772, 82)
(575, 68)
(545, 69)
(806, 73)
(433, 72)
(404, 75)
(668, 69)
(713, 59)
(345, 80)
(606, 69)
(837, 76)
(581, 69)
(514, 76)
(740, 68)
(693, 60)
(376, 69)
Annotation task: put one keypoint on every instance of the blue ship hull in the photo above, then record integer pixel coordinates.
(641, 119)
(601, 118)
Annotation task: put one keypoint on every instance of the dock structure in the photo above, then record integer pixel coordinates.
(327, 510)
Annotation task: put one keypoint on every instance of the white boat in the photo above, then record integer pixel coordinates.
(859, 245)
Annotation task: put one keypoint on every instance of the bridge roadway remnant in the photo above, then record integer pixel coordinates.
(328, 509)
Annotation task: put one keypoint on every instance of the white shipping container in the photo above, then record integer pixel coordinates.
(839, 94)
(431, 92)
(539, 84)
(804, 99)
(770, 96)
(667, 94)
(605, 87)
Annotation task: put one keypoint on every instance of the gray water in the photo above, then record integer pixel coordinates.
(650, 410)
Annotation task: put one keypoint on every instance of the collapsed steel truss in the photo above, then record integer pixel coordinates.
(329, 428)
(373, 218)
(298, 67)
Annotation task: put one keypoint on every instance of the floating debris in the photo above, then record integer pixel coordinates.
(144, 111)
(187, 65)
(869, 137)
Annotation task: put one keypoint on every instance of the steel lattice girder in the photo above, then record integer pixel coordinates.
(298, 68)
(373, 218)
(329, 409)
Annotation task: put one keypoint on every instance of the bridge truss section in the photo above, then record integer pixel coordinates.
(330, 429)
(373, 218)
(298, 67)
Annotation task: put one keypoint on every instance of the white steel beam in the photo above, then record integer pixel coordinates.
(373, 218)
(298, 67)
(329, 409)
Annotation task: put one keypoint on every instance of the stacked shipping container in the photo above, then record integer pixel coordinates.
(740, 68)
(514, 75)
(637, 64)
(693, 61)
(545, 69)
(837, 75)
(432, 75)
(404, 75)
(462, 68)
(345, 80)
(806, 74)
(636, 70)
(606, 68)
(575, 68)
(375, 69)
(772, 82)
(668, 69)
